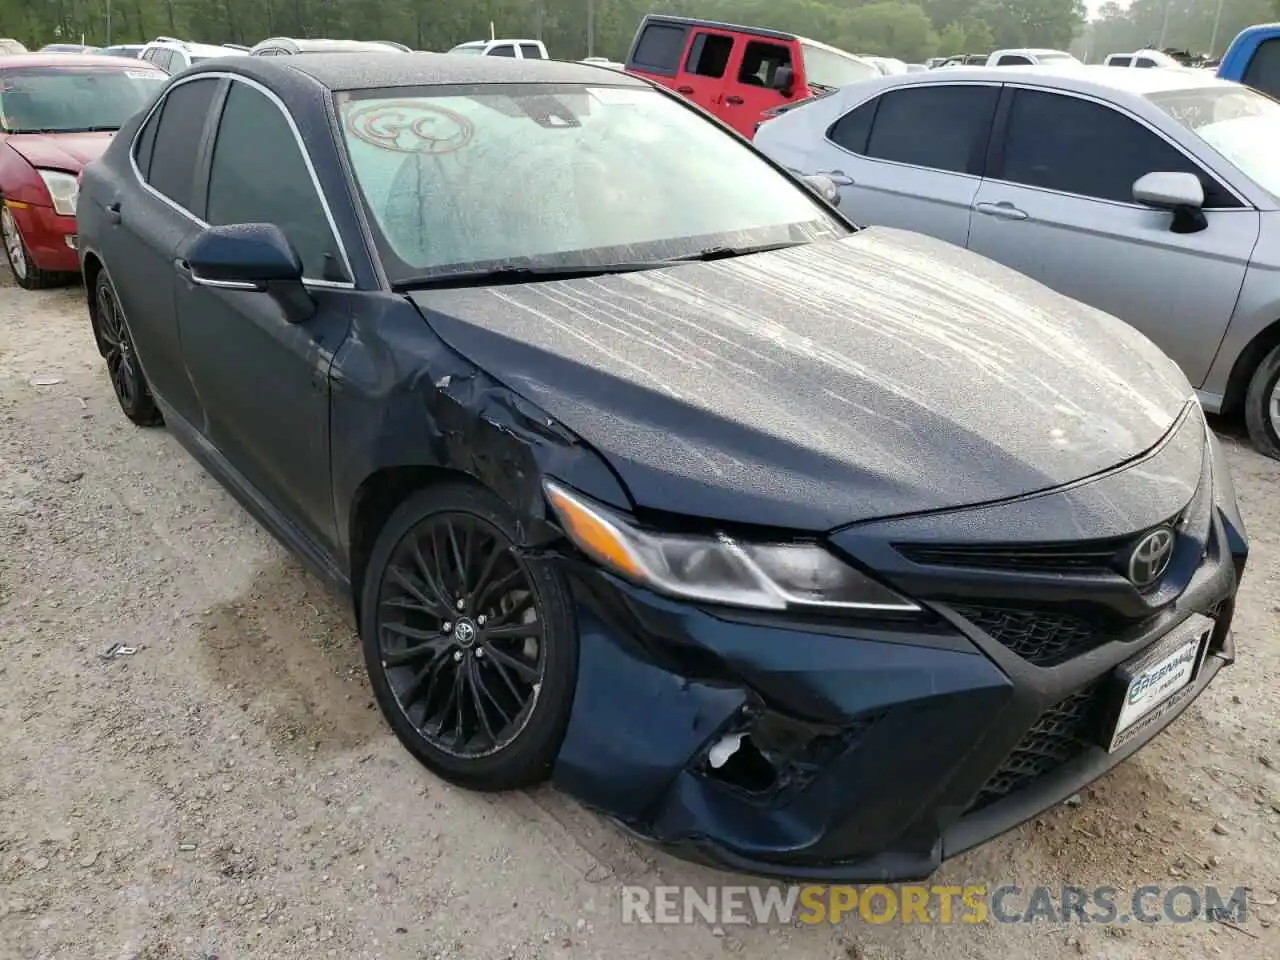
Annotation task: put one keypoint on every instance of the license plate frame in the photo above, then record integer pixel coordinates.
(1170, 667)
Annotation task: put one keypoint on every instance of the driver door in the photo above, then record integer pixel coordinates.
(749, 91)
(262, 380)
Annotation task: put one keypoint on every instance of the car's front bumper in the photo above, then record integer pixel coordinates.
(883, 749)
(51, 239)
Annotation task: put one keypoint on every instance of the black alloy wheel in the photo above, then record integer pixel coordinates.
(116, 346)
(470, 645)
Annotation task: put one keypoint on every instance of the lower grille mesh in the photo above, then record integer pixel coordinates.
(1045, 639)
(1060, 735)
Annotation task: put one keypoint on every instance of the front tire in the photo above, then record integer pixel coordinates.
(471, 647)
(1262, 405)
(23, 268)
(116, 344)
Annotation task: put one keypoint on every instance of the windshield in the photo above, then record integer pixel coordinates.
(831, 68)
(469, 178)
(1241, 124)
(1052, 56)
(74, 99)
(471, 50)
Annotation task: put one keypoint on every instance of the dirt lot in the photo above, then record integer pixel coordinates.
(229, 791)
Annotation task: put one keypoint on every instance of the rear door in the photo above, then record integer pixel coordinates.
(911, 157)
(705, 73)
(152, 219)
(1058, 206)
(751, 72)
(531, 51)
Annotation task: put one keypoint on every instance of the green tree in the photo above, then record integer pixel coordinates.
(889, 28)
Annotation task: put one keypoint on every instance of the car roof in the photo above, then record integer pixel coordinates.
(73, 60)
(320, 45)
(339, 71)
(199, 49)
(719, 25)
(1080, 78)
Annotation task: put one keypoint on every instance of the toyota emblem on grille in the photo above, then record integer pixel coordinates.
(1150, 557)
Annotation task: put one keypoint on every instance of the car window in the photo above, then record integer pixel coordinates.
(162, 58)
(556, 175)
(1263, 71)
(143, 146)
(940, 127)
(502, 50)
(530, 51)
(258, 175)
(854, 129)
(1064, 143)
(1012, 59)
(74, 99)
(1240, 123)
(172, 169)
(709, 54)
(659, 48)
(824, 67)
(760, 63)
(1146, 62)
(1119, 61)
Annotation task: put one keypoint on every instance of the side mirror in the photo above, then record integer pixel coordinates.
(784, 79)
(824, 187)
(1181, 193)
(252, 257)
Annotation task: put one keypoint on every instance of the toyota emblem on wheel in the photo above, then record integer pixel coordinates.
(1150, 558)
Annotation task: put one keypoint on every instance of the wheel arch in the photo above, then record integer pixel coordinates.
(373, 502)
(91, 267)
(1263, 342)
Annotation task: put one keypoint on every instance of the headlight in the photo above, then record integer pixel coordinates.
(719, 569)
(64, 190)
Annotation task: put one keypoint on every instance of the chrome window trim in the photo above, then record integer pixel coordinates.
(1247, 204)
(302, 147)
(1129, 114)
(906, 86)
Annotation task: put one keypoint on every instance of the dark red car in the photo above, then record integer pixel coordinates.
(57, 112)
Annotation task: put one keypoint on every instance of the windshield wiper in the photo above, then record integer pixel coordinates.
(724, 253)
(525, 274)
(532, 273)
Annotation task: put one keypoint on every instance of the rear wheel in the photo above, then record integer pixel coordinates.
(1262, 405)
(470, 644)
(25, 271)
(116, 343)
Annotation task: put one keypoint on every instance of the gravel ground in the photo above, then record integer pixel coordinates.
(228, 790)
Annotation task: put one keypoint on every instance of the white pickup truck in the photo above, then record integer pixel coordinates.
(519, 49)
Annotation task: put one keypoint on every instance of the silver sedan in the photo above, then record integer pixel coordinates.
(1149, 194)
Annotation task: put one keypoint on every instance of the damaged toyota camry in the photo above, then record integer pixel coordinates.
(810, 551)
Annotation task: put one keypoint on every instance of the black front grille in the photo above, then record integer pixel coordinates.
(1080, 556)
(1045, 639)
(1062, 733)
(1093, 557)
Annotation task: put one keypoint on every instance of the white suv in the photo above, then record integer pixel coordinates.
(174, 56)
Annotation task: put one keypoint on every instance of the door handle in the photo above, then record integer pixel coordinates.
(113, 211)
(838, 177)
(1004, 209)
(685, 89)
(736, 101)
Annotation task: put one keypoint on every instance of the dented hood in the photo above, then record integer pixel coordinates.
(882, 374)
(60, 151)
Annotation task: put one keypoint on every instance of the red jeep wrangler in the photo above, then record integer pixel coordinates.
(737, 73)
